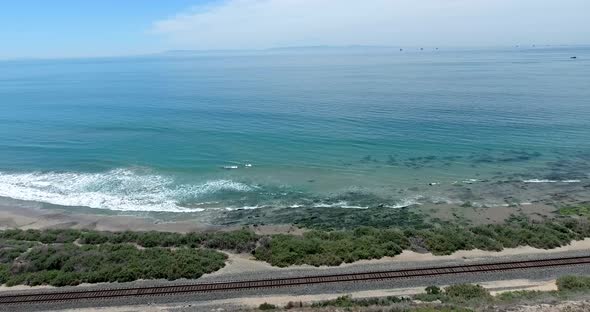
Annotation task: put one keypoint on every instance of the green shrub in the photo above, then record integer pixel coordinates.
(465, 292)
(335, 247)
(267, 306)
(431, 297)
(43, 236)
(348, 302)
(582, 210)
(291, 305)
(566, 283)
(519, 295)
(342, 301)
(516, 232)
(69, 264)
(438, 309)
(433, 293)
(433, 290)
(4, 273)
(11, 249)
(332, 248)
(241, 240)
(94, 238)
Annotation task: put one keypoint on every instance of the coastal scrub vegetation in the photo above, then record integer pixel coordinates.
(336, 247)
(450, 299)
(456, 298)
(573, 283)
(324, 247)
(349, 302)
(331, 248)
(466, 292)
(71, 264)
(62, 257)
(580, 210)
(267, 306)
(240, 240)
(454, 294)
(494, 237)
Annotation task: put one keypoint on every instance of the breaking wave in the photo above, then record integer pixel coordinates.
(120, 189)
(143, 190)
(550, 181)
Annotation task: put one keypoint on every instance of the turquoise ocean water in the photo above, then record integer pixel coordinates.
(348, 128)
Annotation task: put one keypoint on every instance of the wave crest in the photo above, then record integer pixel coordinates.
(119, 189)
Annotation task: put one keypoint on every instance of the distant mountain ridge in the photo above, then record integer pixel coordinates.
(318, 48)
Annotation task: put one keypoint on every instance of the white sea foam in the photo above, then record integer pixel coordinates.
(550, 181)
(326, 205)
(443, 200)
(405, 203)
(121, 189)
(467, 181)
(539, 181)
(340, 204)
(243, 208)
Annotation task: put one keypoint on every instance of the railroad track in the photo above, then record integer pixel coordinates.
(284, 282)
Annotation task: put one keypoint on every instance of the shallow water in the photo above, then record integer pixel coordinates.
(343, 129)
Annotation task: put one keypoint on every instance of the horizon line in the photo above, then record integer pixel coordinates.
(425, 48)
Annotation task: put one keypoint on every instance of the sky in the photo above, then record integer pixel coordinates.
(75, 28)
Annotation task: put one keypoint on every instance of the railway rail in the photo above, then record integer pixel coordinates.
(47, 297)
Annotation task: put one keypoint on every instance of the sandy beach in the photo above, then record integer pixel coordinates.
(25, 216)
(16, 214)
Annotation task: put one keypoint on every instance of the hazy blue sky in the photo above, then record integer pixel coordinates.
(41, 28)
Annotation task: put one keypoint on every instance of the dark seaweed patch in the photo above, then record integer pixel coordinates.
(327, 218)
(504, 157)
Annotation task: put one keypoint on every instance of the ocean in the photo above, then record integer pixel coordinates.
(190, 132)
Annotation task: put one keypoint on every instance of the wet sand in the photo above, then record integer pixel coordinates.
(31, 218)
(27, 216)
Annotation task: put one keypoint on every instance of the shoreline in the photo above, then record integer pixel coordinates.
(29, 217)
